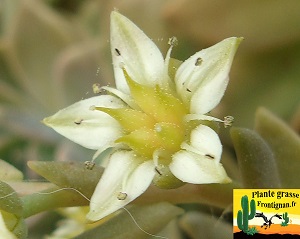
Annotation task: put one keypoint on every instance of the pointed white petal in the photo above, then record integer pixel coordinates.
(132, 48)
(199, 162)
(92, 129)
(202, 79)
(197, 169)
(206, 141)
(4, 232)
(124, 179)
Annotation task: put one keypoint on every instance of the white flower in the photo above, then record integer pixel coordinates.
(153, 120)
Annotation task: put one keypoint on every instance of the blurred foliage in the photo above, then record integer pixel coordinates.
(52, 51)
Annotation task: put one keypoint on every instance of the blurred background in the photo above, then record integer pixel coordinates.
(53, 51)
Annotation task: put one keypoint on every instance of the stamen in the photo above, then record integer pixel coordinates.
(122, 196)
(97, 88)
(190, 117)
(89, 165)
(117, 51)
(78, 121)
(173, 41)
(228, 121)
(199, 61)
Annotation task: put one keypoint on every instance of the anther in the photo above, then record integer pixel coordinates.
(156, 169)
(89, 165)
(173, 41)
(92, 107)
(122, 196)
(78, 121)
(122, 65)
(228, 121)
(199, 61)
(117, 51)
(209, 156)
(96, 88)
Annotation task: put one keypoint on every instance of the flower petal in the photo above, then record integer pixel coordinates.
(124, 179)
(90, 128)
(206, 141)
(199, 162)
(202, 79)
(195, 168)
(140, 56)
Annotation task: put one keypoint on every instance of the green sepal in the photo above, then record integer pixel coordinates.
(165, 179)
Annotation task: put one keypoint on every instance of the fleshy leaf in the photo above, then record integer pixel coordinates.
(149, 219)
(9, 201)
(4, 232)
(20, 229)
(195, 223)
(284, 143)
(69, 175)
(255, 158)
(11, 208)
(76, 185)
(9, 172)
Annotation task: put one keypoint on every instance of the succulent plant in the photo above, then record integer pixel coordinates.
(52, 52)
(286, 219)
(243, 215)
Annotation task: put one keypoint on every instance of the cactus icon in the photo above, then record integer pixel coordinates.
(243, 215)
(286, 219)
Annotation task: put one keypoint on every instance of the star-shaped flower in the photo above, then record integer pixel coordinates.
(154, 119)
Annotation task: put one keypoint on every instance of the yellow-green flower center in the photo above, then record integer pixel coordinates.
(157, 124)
